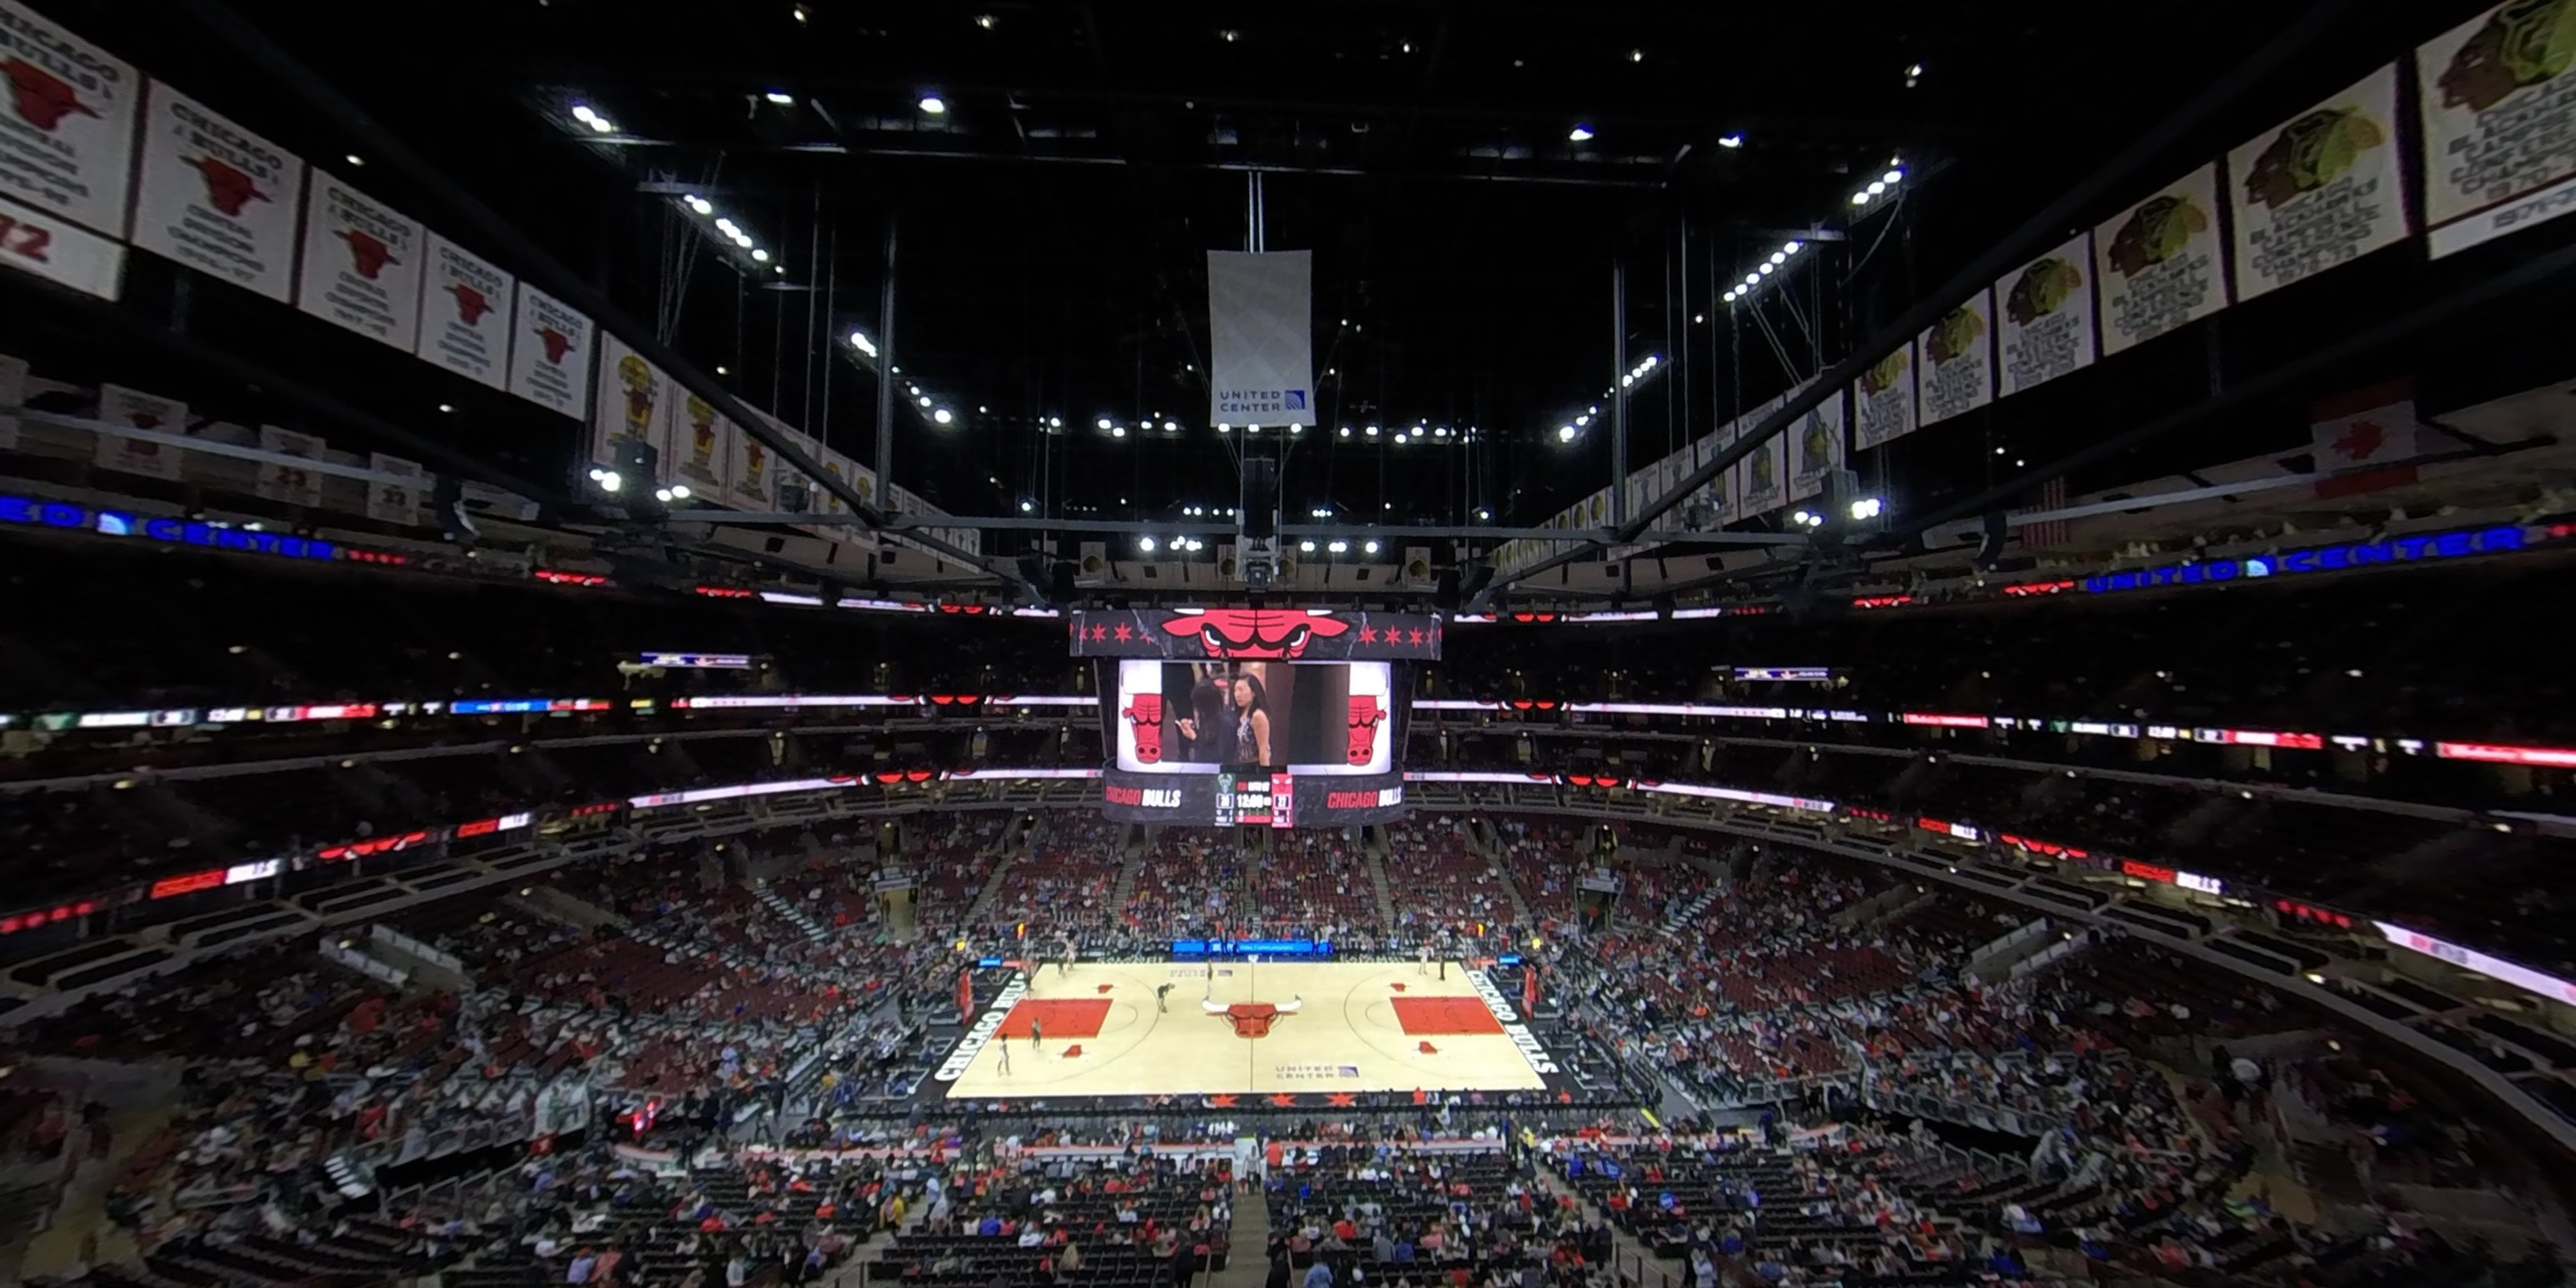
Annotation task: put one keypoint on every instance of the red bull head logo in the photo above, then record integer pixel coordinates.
(470, 304)
(44, 99)
(557, 345)
(1256, 633)
(1365, 718)
(368, 253)
(1146, 714)
(227, 189)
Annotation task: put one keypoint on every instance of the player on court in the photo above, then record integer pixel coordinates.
(1005, 1046)
(1037, 1036)
(1422, 966)
(1162, 991)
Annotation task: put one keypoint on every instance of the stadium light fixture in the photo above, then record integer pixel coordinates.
(1868, 507)
(1565, 433)
(780, 97)
(1579, 134)
(934, 105)
(1338, 547)
(1369, 547)
(1305, 547)
(1145, 544)
(943, 416)
(1730, 141)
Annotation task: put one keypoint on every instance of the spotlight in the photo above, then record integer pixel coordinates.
(934, 105)
(1145, 544)
(1118, 431)
(1305, 547)
(1800, 517)
(780, 97)
(1792, 248)
(1565, 433)
(1730, 141)
(1338, 547)
(1579, 134)
(859, 340)
(1868, 507)
(1860, 198)
(1027, 506)
(759, 256)
(680, 491)
(1779, 257)
(1171, 427)
(1876, 187)
(1346, 431)
(661, 494)
(1892, 178)
(1372, 431)
(942, 416)
(1753, 279)
(1104, 422)
(925, 400)
(609, 482)
(1483, 516)
(1369, 547)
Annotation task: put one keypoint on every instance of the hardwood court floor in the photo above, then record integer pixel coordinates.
(1360, 1027)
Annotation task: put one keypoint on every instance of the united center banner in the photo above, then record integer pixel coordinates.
(2046, 330)
(66, 143)
(2320, 191)
(1261, 337)
(2499, 108)
(2158, 263)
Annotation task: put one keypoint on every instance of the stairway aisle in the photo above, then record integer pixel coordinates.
(1247, 1242)
(1375, 858)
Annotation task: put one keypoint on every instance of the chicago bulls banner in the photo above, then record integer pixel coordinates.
(550, 345)
(1255, 634)
(465, 314)
(217, 197)
(69, 129)
(361, 265)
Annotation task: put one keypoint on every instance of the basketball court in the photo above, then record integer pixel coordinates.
(1247, 1027)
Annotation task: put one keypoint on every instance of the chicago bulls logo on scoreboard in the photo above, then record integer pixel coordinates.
(1255, 634)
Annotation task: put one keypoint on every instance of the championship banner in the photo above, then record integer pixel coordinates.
(1765, 483)
(2159, 263)
(1816, 447)
(550, 353)
(2047, 326)
(67, 147)
(698, 446)
(465, 312)
(749, 480)
(287, 483)
(361, 264)
(1883, 401)
(396, 502)
(2320, 191)
(2499, 108)
(633, 405)
(119, 405)
(1261, 337)
(1958, 372)
(1279, 634)
(216, 197)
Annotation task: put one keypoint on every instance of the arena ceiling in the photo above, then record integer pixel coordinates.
(1051, 220)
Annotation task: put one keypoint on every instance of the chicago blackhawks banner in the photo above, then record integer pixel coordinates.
(2159, 263)
(2321, 190)
(1279, 634)
(2499, 107)
(2046, 330)
(1261, 337)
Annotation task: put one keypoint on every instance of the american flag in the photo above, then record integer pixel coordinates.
(2042, 536)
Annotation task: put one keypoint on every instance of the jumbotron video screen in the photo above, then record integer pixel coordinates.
(1257, 717)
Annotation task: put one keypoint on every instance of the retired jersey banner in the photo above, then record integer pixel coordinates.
(2320, 191)
(2159, 263)
(2046, 329)
(1275, 634)
(66, 143)
(1816, 447)
(289, 484)
(59, 251)
(1958, 374)
(1762, 477)
(1719, 493)
(216, 197)
(401, 498)
(361, 266)
(465, 314)
(550, 353)
(1883, 401)
(2499, 108)
(1261, 337)
(118, 405)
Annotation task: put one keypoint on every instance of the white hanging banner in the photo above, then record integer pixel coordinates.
(1883, 400)
(67, 142)
(2047, 326)
(13, 393)
(2320, 191)
(118, 405)
(1816, 447)
(361, 264)
(1958, 374)
(2498, 96)
(1261, 337)
(550, 353)
(2159, 263)
(465, 313)
(58, 250)
(396, 502)
(287, 483)
(217, 197)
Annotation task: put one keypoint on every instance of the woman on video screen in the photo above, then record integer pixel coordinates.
(1251, 722)
(1205, 733)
